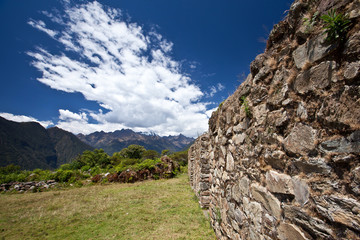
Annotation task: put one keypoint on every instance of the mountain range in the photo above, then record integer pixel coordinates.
(115, 141)
(31, 146)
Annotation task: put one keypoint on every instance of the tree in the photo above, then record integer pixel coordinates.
(165, 152)
(180, 157)
(150, 154)
(92, 158)
(133, 151)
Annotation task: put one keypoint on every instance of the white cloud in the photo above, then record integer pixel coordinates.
(220, 87)
(40, 25)
(67, 115)
(214, 89)
(22, 118)
(193, 64)
(212, 92)
(123, 69)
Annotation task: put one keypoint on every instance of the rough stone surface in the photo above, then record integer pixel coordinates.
(312, 51)
(288, 166)
(269, 201)
(318, 77)
(340, 209)
(350, 144)
(27, 186)
(229, 162)
(290, 232)
(344, 110)
(352, 46)
(279, 183)
(352, 70)
(312, 165)
(301, 190)
(300, 140)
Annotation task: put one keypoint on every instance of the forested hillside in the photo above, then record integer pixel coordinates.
(31, 146)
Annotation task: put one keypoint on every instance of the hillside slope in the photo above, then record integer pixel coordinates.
(31, 146)
(67, 145)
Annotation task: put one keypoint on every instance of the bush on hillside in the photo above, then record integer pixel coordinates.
(91, 163)
(180, 157)
(133, 151)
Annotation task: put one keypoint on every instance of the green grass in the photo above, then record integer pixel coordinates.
(163, 209)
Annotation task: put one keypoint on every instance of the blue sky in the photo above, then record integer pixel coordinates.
(153, 66)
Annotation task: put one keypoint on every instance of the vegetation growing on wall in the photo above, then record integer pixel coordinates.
(335, 25)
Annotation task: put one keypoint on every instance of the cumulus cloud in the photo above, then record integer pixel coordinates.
(22, 118)
(125, 70)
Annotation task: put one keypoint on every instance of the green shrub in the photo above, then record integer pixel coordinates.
(220, 105)
(95, 171)
(78, 183)
(146, 164)
(165, 152)
(180, 157)
(150, 154)
(98, 157)
(63, 175)
(132, 151)
(183, 169)
(10, 169)
(336, 25)
(244, 102)
(77, 164)
(21, 177)
(105, 180)
(65, 166)
(85, 168)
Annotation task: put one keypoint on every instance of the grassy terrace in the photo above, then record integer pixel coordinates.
(162, 209)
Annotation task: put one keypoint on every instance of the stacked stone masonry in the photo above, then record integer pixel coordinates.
(281, 158)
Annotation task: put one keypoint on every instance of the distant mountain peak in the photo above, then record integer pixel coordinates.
(115, 141)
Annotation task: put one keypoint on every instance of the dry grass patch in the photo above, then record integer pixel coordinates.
(162, 209)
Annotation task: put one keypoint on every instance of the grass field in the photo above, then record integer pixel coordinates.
(163, 209)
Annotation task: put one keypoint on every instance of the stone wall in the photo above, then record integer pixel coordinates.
(199, 169)
(281, 158)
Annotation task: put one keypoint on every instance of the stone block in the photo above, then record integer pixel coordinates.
(350, 144)
(340, 209)
(269, 201)
(345, 110)
(290, 232)
(312, 165)
(352, 70)
(279, 183)
(276, 159)
(253, 211)
(313, 50)
(352, 46)
(312, 224)
(300, 140)
(301, 190)
(318, 77)
(239, 138)
(229, 162)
